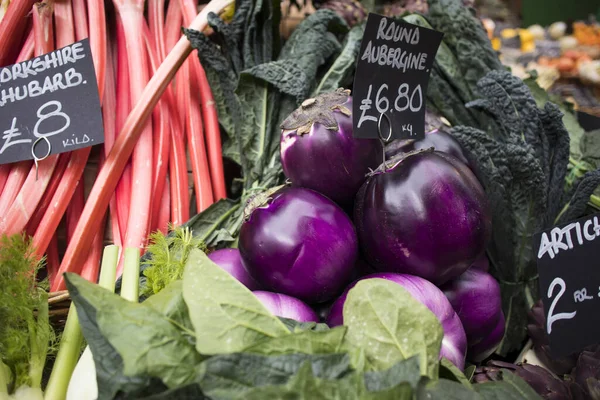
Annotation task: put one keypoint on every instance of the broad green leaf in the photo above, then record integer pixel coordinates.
(444, 389)
(306, 342)
(406, 371)
(234, 375)
(187, 392)
(297, 326)
(391, 325)
(306, 386)
(451, 372)
(131, 342)
(510, 388)
(226, 316)
(169, 302)
(469, 372)
(343, 67)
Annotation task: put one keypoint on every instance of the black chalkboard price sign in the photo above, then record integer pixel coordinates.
(49, 105)
(391, 78)
(568, 260)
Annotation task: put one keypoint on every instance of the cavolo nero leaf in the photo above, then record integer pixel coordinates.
(226, 316)
(342, 69)
(390, 325)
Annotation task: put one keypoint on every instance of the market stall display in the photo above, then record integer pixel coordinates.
(304, 262)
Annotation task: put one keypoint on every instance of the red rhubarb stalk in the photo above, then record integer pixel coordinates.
(110, 133)
(131, 14)
(81, 19)
(180, 201)
(196, 144)
(68, 183)
(123, 192)
(25, 54)
(25, 203)
(173, 25)
(106, 182)
(12, 27)
(97, 31)
(52, 261)
(156, 20)
(162, 139)
(212, 131)
(164, 213)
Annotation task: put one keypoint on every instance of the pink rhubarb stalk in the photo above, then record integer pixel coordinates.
(71, 177)
(131, 13)
(106, 182)
(123, 192)
(30, 194)
(12, 27)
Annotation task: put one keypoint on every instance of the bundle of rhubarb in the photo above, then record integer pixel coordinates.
(149, 136)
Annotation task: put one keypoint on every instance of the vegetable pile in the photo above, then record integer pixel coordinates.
(223, 343)
(327, 273)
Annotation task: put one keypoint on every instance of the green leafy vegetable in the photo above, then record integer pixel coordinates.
(25, 332)
(390, 325)
(305, 342)
(234, 375)
(445, 390)
(450, 372)
(510, 388)
(406, 371)
(170, 303)
(342, 70)
(522, 165)
(131, 341)
(226, 316)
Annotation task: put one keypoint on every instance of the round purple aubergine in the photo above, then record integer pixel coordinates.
(286, 306)
(231, 261)
(454, 343)
(319, 152)
(439, 139)
(424, 214)
(475, 295)
(299, 243)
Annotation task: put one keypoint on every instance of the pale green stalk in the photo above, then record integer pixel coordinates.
(40, 338)
(72, 338)
(131, 274)
(4, 379)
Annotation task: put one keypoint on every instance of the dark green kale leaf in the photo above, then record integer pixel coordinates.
(342, 70)
(522, 165)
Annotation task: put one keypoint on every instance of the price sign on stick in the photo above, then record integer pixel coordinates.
(49, 105)
(391, 78)
(568, 260)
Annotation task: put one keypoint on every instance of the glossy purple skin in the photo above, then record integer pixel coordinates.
(482, 263)
(486, 347)
(331, 162)
(301, 244)
(454, 343)
(285, 306)
(426, 216)
(438, 139)
(231, 261)
(475, 296)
